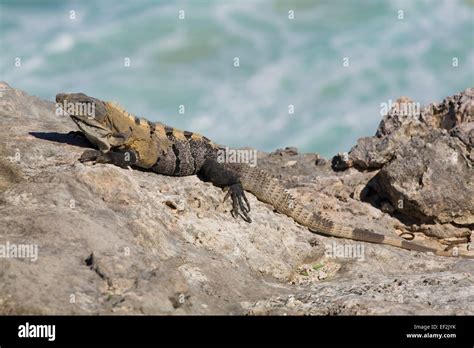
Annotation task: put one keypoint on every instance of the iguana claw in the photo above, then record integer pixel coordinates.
(237, 195)
(90, 155)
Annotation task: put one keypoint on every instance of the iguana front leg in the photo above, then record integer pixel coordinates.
(77, 134)
(215, 172)
(120, 157)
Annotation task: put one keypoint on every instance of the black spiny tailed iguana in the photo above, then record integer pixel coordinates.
(125, 140)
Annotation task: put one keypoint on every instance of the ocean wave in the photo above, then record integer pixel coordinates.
(283, 62)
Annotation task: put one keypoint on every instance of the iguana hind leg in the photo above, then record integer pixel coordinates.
(237, 195)
(215, 172)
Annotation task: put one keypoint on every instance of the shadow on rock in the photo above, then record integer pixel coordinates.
(71, 138)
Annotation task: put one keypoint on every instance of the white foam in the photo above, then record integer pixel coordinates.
(62, 43)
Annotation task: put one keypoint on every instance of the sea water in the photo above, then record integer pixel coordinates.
(267, 74)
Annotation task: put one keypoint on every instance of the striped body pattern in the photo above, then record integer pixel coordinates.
(163, 149)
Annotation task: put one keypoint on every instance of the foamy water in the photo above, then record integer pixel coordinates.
(283, 62)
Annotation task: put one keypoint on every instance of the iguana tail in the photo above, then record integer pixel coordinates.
(268, 189)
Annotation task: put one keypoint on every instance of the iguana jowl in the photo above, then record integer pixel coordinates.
(125, 140)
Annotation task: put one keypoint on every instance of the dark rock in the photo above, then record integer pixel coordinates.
(341, 162)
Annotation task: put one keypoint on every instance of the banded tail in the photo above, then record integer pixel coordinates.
(268, 189)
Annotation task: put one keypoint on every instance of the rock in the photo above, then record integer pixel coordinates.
(445, 231)
(425, 160)
(341, 162)
(398, 128)
(287, 151)
(168, 245)
(403, 112)
(290, 163)
(430, 179)
(451, 112)
(318, 160)
(386, 207)
(465, 133)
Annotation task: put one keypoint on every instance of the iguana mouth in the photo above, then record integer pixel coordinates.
(91, 126)
(94, 132)
(90, 116)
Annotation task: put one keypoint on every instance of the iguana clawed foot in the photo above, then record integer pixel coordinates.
(237, 195)
(77, 134)
(95, 156)
(121, 158)
(90, 156)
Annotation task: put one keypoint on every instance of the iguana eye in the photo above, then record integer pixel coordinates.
(94, 108)
(100, 111)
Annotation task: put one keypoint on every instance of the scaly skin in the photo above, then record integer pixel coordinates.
(125, 140)
(268, 189)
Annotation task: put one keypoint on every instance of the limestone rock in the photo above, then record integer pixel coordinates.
(431, 179)
(425, 160)
(455, 114)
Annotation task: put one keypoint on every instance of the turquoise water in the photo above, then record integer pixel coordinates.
(283, 62)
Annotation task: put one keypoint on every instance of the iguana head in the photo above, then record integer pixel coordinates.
(93, 117)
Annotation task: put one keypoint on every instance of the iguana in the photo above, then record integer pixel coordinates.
(125, 140)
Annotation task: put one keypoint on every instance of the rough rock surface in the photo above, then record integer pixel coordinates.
(133, 242)
(405, 120)
(431, 178)
(425, 159)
